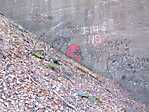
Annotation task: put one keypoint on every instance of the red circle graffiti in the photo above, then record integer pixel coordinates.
(73, 51)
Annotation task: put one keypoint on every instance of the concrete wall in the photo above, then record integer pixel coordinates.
(109, 36)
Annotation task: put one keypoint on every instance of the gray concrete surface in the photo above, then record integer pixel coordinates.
(112, 35)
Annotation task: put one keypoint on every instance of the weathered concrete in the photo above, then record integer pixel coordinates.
(120, 49)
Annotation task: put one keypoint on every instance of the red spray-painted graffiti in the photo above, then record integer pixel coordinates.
(73, 51)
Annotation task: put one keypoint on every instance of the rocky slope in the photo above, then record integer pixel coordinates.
(37, 78)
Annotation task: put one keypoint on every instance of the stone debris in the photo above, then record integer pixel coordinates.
(37, 78)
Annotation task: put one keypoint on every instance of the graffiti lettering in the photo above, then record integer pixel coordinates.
(95, 40)
(128, 63)
(85, 30)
